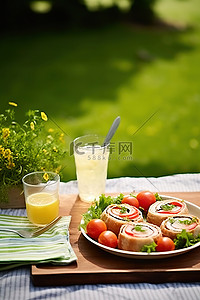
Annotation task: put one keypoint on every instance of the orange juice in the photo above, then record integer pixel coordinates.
(42, 208)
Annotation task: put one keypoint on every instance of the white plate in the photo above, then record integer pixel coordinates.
(193, 210)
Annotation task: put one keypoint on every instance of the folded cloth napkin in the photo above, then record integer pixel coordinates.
(53, 246)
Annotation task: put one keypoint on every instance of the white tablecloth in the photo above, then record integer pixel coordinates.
(16, 284)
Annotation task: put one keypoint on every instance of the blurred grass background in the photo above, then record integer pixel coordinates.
(83, 78)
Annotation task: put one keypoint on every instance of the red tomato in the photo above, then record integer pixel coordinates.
(131, 201)
(95, 227)
(108, 238)
(165, 244)
(146, 199)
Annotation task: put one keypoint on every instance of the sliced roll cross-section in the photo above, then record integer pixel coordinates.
(132, 237)
(161, 210)
(175, 224)
(116, 215)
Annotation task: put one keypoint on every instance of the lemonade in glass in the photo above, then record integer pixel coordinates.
(42, 197)
(91, 159)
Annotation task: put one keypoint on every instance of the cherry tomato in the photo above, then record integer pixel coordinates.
(131, 201)
(146, 199)
(95, 227)
(165, 244)
(108, 238)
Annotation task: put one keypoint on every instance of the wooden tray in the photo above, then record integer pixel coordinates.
(94, 265)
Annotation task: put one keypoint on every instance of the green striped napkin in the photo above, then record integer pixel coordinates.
(53, 246)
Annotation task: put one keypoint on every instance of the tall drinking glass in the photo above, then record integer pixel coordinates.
(41, 191)
(91, 159)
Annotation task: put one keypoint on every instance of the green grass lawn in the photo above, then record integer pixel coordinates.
(83, 79)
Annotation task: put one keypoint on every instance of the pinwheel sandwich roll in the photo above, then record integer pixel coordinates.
(115, 215)
(175, 224)
(132, 237)
(161, 210)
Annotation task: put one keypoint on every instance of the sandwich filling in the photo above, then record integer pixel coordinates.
(140, 230)
(171, 207)
(177, 223)
(122, 212)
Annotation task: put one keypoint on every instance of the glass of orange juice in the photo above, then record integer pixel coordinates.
(41, 190)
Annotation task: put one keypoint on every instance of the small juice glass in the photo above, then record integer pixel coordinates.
(41, 190)
(91, 159)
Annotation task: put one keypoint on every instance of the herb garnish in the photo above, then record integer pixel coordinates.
(188, 222)
(158, 197)
(133, 195)
(167, 207)
(126, 219)
(172, 220)
(139, 228)
(149, 248)
(123, 209)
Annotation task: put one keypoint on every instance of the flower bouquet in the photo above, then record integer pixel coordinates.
(26, 148)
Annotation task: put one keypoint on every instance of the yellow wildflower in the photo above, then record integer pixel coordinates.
(61, 137)
(5, 133)
(7, 153)
(44, 150)
(1, 150)
(55, 149)
(10, 164)
(51, 130)
(44, 116)
(49, 139)
(58, 170)
(12, 103)
(32, 125)
(46, 176)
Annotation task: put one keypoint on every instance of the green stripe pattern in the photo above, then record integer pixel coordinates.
(53, 246)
